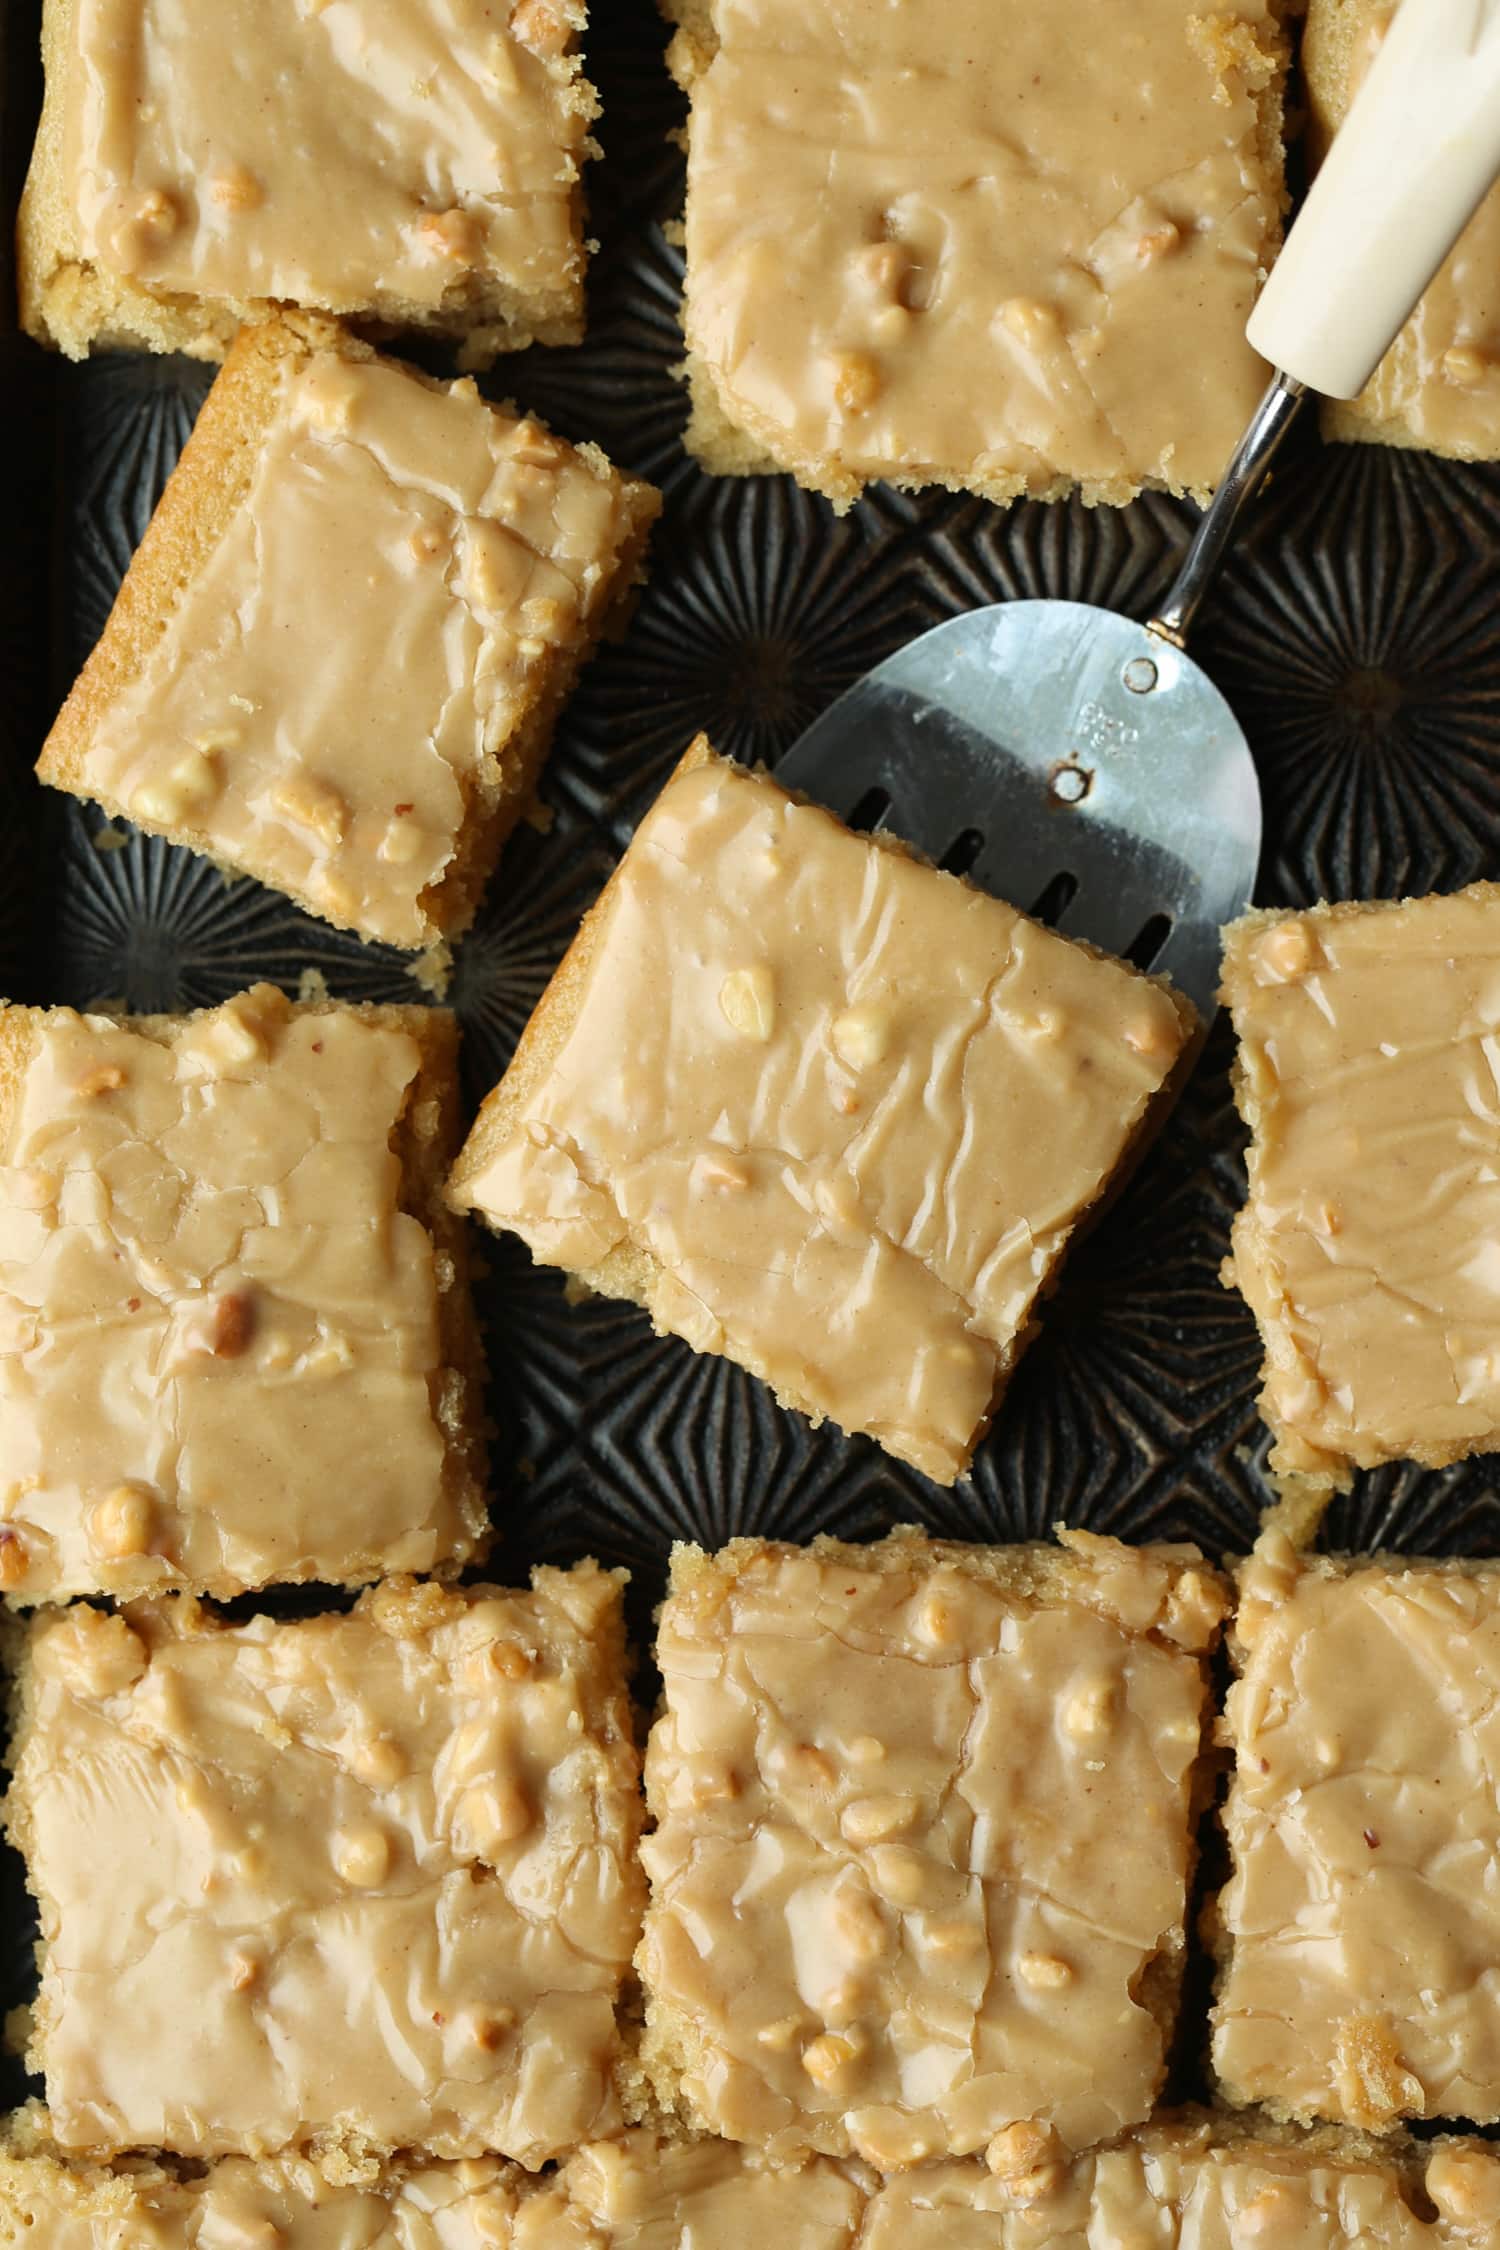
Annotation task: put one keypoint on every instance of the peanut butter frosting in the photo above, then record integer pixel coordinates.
(369, 1877)
(1191, 2184)
(1439, 384)
(1368, 1072)
(1197, 2186)
(944, 245)
(643, 2192)
(923, 1837)
(238, 2205)
(820, 1108)
(387, 156)
(1361, 1925)
(331, 703)
(221, 1360)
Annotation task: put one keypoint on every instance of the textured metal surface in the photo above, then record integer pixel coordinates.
(1355, 634)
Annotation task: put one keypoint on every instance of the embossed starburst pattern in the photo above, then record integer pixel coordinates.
(1355, 634)
(797, 604)
(122, 423)
(1355, 637)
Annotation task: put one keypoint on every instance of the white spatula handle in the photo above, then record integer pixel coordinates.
(1413, 159)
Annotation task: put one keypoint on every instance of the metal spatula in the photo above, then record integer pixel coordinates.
(1080, 764)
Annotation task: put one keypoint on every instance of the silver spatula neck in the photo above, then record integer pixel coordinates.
(1243, 478)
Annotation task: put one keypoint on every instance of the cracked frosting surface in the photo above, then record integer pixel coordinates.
(348, 154)
(642, 2192)
(1187, 2185)
(820, 1108)
(328, 700)
(945, 245)
(922, 1840)
(1369, 1073)
(282, 2202)
(220, 1354)
(1439, 384)
(1362, 1919)
(1192, 2187)
(368, 1876)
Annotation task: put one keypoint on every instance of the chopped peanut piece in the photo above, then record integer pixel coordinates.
(124, 1521)
(827, 2059)
(748, 1000)
(856, 382)
(312, 805)
(105, 1078)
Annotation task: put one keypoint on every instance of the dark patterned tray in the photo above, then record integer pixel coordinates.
(1356, 636)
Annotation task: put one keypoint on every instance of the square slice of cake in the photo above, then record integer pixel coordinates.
(337, 656)
(821, 1108)
(1369, 1249)
(410, 163)
(236, 1342)
(1438, 386)
(280, 2203)
(924, 1830)
(1360, 1927)
(1194, 2181)
(365, 1880)
(947, 246)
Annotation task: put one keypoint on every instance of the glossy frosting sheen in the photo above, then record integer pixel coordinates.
(1439, 383)
(406, 573)
(849, 1109)
(1179, 2187)
(1370, 1074)
(219, 1348)
(281, 2203)
(368, 1875)
(1175, 2188)
(1363, 1911)
(643, 2193)
(921, 1837)
(343, 153)
(944, 242)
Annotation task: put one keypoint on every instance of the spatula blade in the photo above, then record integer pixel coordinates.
(1066, 759)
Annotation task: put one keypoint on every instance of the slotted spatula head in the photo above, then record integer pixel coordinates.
(1067, 760)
